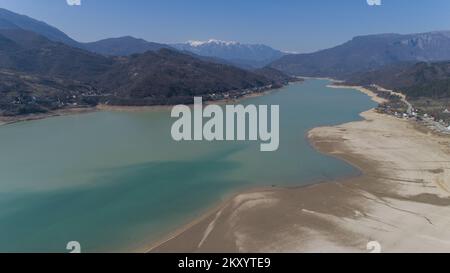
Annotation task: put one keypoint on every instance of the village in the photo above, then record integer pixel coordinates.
(397, 105)
(237, 94)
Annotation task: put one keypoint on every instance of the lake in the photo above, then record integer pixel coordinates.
(116, 181)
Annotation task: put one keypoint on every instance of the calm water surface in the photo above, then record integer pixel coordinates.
(115, 181)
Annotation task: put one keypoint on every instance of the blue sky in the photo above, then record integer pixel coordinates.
(291, 25)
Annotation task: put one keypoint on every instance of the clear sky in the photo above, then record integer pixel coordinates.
(291, 25)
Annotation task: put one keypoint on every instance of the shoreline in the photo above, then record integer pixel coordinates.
(4, 120)
(195, 221)
(221, 204)
(361, 89)
(59, 113)
(239, 225)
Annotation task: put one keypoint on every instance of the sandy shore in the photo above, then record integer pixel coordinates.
(402, 200)
(63, 112)
(361, 89)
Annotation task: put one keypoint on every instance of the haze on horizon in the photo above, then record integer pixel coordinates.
(294, 25)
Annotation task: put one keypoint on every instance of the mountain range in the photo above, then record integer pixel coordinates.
(11, 20)
(416, 80)
(361, 54)
(42, 69)
(368, 53)
(33, 68)
(37, 60)
(243, 55)
(122, 46)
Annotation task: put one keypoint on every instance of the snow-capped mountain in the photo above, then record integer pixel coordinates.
(194, 43)
(244, 55)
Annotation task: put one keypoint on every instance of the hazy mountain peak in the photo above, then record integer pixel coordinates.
(369, 52)
(122, 46)
(113, 46)
(126, 38)
(445, 33)
(9, 19)
(195, 43)
(243, 55)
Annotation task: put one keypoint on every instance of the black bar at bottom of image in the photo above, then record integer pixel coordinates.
(215, 262)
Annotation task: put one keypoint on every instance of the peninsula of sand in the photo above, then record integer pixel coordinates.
(400, 203)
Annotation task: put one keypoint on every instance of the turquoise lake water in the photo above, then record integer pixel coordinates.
(116, 181)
